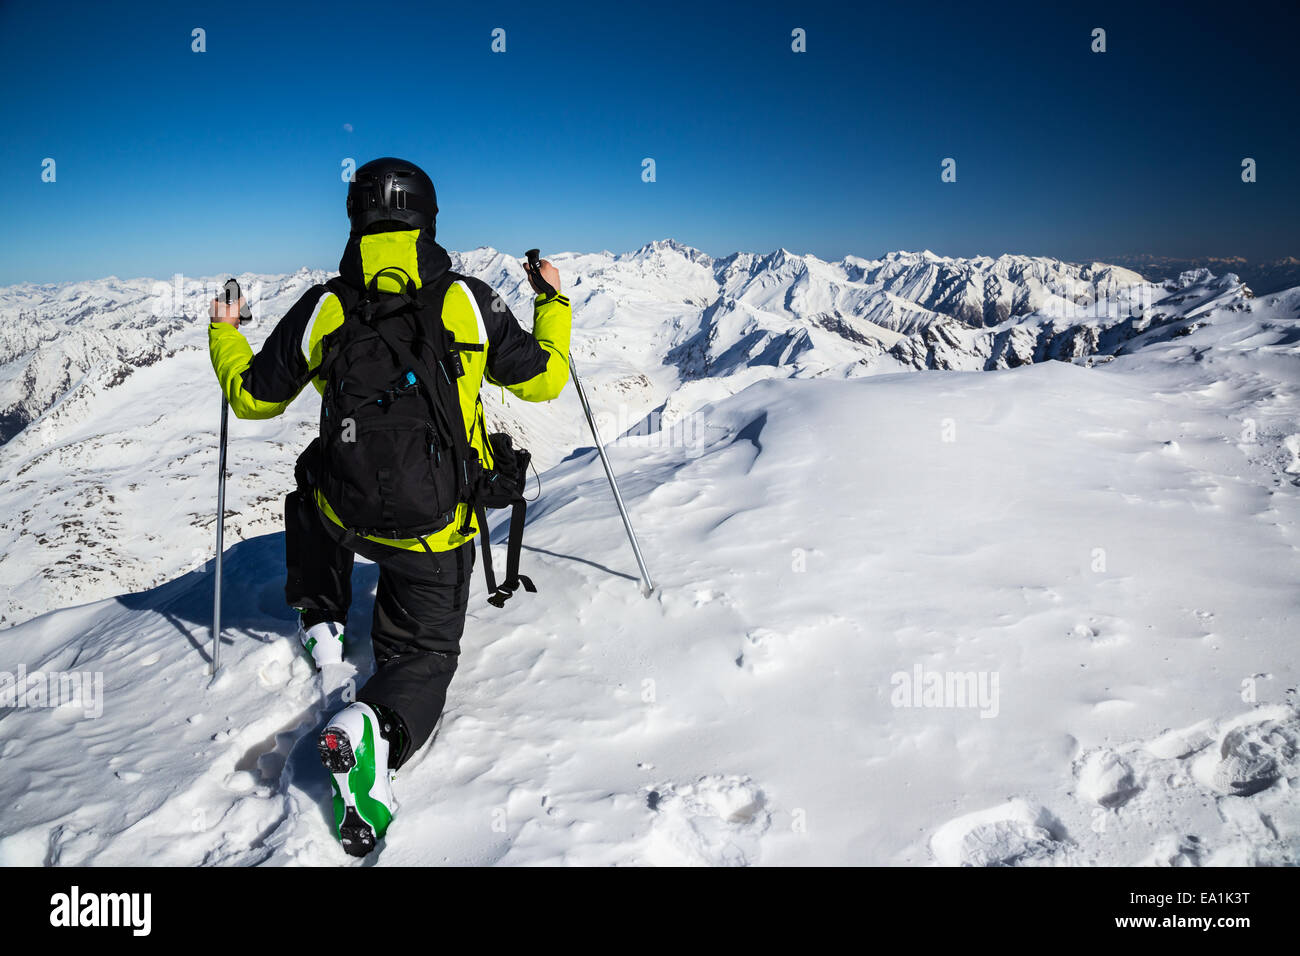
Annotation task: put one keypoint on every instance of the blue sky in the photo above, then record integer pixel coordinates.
(230, 160)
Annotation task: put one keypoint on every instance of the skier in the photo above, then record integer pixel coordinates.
(423, 590)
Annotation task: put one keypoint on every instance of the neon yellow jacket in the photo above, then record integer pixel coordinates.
(534, 367)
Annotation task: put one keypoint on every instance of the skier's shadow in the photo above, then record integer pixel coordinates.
(252, 598)
(253, 606)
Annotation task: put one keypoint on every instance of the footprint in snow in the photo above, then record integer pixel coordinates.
(1175, 849)
(715, 821)
(705, 596)
(1106, 779)
(1251, 757)
(1008, 835)
(1179, 744)
(760, 651)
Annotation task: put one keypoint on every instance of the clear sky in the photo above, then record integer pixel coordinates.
(230, 160)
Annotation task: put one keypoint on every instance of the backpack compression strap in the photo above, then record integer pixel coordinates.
(497, 596)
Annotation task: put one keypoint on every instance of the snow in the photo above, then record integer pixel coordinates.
(1108, 551)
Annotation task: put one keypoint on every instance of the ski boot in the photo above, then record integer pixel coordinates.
(354, 750)
(323, 642)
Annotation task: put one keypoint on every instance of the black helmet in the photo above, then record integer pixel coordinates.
(391, 190)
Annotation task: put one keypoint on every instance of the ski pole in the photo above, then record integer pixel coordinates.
(221, 526)
(231, 295)
(647, 586)
(544, 287)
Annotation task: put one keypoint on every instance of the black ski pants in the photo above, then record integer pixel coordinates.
(419, 613)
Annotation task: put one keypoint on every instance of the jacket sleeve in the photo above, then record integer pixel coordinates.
(265, 384)
(534, 367)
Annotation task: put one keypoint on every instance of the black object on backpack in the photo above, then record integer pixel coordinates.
(503, 487)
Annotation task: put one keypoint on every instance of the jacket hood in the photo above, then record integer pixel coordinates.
(413, 251)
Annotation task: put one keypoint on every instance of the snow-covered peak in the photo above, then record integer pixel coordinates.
(670, 245)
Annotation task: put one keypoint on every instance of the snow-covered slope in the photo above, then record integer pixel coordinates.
(1095, 550)
(1101, 551)
(103, 384)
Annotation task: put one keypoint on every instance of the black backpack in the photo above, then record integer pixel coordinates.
(394, 460)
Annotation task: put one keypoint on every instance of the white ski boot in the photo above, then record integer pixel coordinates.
(355, 752)
(323, 642)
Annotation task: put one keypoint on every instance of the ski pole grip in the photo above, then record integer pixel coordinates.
(231, 294)
(534, 270)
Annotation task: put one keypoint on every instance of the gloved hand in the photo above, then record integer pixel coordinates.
(548, 273)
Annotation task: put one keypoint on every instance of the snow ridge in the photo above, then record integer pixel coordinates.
(1100, 530)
